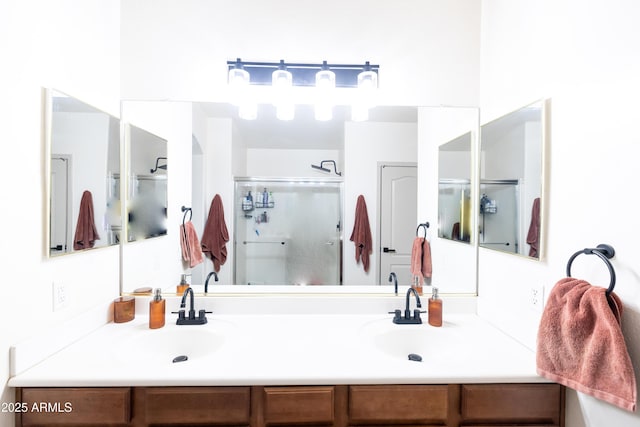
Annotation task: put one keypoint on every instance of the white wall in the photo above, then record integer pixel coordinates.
(428, 50)
(268, 162)
(41, 47)
(584, 56)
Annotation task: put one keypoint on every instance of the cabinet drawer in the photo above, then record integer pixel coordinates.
(516, 403)
(192, 405)
(76, 406)
(422, 404)
(298, 405)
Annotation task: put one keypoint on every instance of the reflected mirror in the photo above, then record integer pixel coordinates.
(147, 185)
(223, 154)
(454, 189)
(83, 145)
(511, 182)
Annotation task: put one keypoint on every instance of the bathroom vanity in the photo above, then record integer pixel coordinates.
(262, 368)
(339, 405)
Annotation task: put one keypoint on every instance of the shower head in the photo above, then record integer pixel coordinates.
(164, 167)
(320, 168)
(323, 169)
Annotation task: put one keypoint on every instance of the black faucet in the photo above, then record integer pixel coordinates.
(392, 276)
(190, 319)
(206, 282)
(407, 319)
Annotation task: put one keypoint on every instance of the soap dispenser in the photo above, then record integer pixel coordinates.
(183, 285)
(156, 311)
(417, 285)
(435, 309)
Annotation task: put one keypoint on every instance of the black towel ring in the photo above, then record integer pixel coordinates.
(604, 252)
(424, 226)
(184, 217)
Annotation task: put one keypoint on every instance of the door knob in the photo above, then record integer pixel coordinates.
(386, 250)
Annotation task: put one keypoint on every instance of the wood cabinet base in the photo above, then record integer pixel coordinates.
(453, 405)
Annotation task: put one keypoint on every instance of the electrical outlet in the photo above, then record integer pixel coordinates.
(59, 296)
(536, 297)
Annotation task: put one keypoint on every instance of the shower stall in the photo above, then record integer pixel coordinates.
(287, 232)
(500, 214)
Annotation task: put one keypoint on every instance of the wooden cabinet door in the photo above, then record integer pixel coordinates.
(529, 404)
(193, 405)
(75, 406)
(398, 404)
(299, 405)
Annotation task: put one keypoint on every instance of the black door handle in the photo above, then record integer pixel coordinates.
(385, 250)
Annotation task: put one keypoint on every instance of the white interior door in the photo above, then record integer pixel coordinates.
(398, 220)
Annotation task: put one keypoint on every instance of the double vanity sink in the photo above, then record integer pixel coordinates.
(281, 349)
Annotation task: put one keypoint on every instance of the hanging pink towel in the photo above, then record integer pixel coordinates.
(361, 234)
(191, 251)
(421, 259)
(215, 235)
(580, 343)
(86, 232)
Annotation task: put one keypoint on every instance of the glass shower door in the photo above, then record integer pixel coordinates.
(287, 233)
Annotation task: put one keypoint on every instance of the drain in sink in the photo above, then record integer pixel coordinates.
(415, 357)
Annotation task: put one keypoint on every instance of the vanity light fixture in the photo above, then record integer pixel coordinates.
(324, 77)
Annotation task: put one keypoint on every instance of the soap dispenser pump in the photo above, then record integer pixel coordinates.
(435, 309)
(183, 284)
(156, 311)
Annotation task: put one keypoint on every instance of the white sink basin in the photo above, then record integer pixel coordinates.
(400, 341)
(162, 346)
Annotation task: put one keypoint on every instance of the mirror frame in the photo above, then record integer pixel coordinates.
(47, 120)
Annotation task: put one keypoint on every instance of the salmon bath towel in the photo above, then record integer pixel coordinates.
(191, 251)
(580, 343)
(421, 259)
(215, 235)
(361, 234)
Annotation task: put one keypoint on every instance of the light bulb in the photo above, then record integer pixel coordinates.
(238, 77)
(359, 112)
(323, 112)
(285, 111)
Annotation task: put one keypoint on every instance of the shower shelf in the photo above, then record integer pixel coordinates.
(260, 205)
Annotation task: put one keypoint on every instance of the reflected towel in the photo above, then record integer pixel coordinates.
(421, 259)
(86, 232)
(215, 235)
(190, 245)
(580, 343)
(361, 234)
(533, 236)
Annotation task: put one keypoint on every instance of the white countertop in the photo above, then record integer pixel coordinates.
(284, 349)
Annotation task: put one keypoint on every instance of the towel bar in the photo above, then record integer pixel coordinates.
(185, 210)
(424, 225)
(604, 252)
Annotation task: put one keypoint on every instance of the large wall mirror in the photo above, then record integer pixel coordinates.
(83, 145)
(310, 171)
(511, 182)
